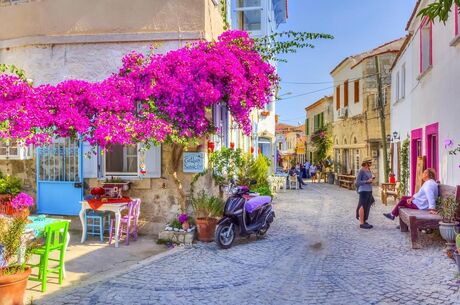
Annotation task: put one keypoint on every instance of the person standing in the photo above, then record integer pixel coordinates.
(307, 170)
(363, 183)
(313, 173)
(319, 171)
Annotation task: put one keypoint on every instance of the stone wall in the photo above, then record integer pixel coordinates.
(24, 169)
(160, 196)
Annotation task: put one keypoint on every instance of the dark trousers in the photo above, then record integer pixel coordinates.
(403, 203)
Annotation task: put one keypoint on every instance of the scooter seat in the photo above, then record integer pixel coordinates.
(256, 202)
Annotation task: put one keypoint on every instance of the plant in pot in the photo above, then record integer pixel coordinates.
(447, 207)
(21, 204)
(9, 186)
(207, 209)
(457, 252)
(13, 276)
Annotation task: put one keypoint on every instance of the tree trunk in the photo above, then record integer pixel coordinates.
(176, 155)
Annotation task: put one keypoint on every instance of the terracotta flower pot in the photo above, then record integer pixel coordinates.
(12, 287)
(206, 228)
(23, 213)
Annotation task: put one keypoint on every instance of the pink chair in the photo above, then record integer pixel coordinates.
(128, 223)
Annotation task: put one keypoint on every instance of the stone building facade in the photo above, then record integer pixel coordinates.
(290, 142)
(356, 116)
(55, 40)
(319, 115)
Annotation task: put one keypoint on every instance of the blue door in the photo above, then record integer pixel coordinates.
(59, 177)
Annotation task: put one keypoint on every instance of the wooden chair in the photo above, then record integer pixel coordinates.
(55, 240)
(387, 190)
(128, 223)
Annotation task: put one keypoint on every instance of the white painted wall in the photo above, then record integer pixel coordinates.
(433, 97)
(91, 62)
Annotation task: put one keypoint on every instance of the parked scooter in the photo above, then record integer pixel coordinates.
(244, 215)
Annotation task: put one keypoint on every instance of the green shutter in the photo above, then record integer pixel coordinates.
(307, 127)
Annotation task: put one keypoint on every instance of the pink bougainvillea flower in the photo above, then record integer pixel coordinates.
(151, 99)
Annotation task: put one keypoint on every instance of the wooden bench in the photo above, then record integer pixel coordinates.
(387, 190)
(415, 220)
(347, 181)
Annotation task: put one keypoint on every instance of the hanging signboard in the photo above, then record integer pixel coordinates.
(194, 162)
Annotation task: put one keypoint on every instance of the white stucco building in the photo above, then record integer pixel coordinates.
(425, 103)
(259, 18)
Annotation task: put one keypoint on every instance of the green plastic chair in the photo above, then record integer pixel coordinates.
(55, 240)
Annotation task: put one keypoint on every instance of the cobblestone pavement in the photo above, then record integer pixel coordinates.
(313, 254)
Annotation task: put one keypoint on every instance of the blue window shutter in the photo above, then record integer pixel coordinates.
(152, 159)
(90, 162)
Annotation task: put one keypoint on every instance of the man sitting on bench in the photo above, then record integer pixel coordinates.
(424, 199)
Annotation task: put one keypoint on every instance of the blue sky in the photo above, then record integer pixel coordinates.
(357, 25)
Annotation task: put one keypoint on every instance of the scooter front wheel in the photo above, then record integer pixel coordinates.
(225, 235)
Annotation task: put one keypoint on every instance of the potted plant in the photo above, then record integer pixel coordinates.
(21, 204)
(207, 209)
(13, 277)
(447, 208)
(9, 187)
(457, 252)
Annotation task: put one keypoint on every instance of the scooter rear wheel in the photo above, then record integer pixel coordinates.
(263, 231)
(225, 235)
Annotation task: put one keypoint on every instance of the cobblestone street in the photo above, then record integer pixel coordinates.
(313, 254)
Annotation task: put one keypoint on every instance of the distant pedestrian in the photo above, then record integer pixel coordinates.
(296, 173)
(363, 183)
(319, 171)
(302, 171)
(313, 173)
(307, 170)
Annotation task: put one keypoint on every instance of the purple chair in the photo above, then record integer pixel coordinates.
(128, 223)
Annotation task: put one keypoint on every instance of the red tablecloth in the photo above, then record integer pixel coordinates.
(97, 203)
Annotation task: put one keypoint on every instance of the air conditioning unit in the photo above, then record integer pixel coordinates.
(343, 112)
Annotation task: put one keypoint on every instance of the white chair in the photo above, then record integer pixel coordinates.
(293, 182)
(282, 184)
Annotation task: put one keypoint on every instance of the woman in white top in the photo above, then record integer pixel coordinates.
(424, 199)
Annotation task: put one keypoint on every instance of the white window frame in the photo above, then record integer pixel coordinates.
(122, 174)
(237, 9)
(22, 152)
(426, 46)
(403, 81)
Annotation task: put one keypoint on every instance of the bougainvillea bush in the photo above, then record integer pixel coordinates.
(155, 98)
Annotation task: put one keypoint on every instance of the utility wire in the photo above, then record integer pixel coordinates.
(329, 82)
(319, 90)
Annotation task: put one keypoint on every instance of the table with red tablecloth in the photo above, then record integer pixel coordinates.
(115, 205)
